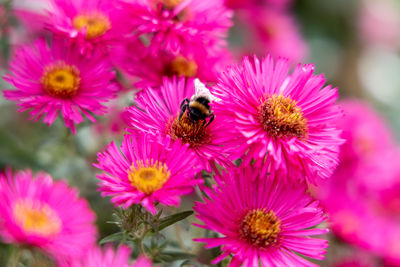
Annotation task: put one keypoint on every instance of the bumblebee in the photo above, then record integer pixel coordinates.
(198, 107)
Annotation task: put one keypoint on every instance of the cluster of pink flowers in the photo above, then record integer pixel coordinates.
(269, 26)
(265, 132)
(362, 197)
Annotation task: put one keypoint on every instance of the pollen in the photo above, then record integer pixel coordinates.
(94, 23)
(36, 218)
(188, 131)
(61, 80)
(181, 67)
(281, 117)
(149, 176)
(171, 3)
(260, 228)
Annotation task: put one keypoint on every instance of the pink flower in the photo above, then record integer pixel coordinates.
(55, 80)
(151, 67)
(39, 212)
(260, 219)
(363, 195)
(284, 122)
(158, 111)
(146, 170)
(379, 23)
(274, 32)
(177, 24)
(110, 258)
(91, 23)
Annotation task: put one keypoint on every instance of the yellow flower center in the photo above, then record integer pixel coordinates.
(36, 218)
(95, 24)
(148, 177)
(260, 228)
(61, 80)
(171, 3)
(181, 67)
(281, 117)
(188, 131)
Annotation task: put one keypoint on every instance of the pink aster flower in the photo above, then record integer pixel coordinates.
(151, 67)
(273, 31)
(110, 258)
(176, 24)
(283, 121)
(39, 212)
(92, 23)
(159, 111)
(260, 219)
(55, 80)
(145, 171)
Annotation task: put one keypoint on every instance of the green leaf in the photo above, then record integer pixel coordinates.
(188, 262)
(174, 256)
(169, 220)
(116, 237)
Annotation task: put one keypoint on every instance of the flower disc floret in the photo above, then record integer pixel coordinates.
(36, 218)
(61, 80)
(281, 117)
(150, 176)
(94, 23)
(260, 228)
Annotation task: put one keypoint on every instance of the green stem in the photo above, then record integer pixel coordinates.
(15, 257)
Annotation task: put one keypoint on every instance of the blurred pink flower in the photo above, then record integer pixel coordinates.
(285, 122)
(196, 62)
(146, 170)
(379, 23)
(273, 31)
(47, 214)
(158, 110)
(91, 23)
(58, 79)
(260, 219)
(175, 25)
(363, 196)
(107, 257)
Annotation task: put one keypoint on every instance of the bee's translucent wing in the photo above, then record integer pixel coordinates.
(202, 90)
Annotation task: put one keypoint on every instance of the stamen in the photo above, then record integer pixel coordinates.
(36, 218)
(148, 177)
(188, 131)
(95, 24)
(281, 117)
(61, 80)
(181, 67)
(260, 228)
(171, 3)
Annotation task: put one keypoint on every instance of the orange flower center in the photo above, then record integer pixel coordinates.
(181, 67)
(170, 3)
(61, 80)
(148, 177)
(260, 228)
(95, 24)
(188, 131)
(36, 218)
(281, 117)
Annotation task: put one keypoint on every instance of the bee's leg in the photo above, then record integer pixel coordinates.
(212, 116)
(184, 106)
(184, 103)
(204, 122)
